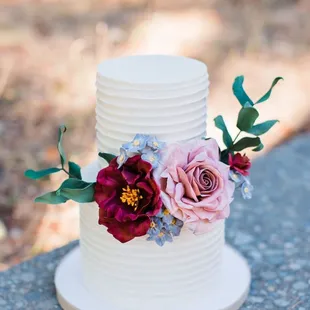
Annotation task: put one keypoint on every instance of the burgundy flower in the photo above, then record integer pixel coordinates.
(127, 198)
(240, 163)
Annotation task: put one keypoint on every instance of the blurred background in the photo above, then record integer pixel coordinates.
(49, 50)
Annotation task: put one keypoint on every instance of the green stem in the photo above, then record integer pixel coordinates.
(235, 140)
(70, 175)
(237, 137)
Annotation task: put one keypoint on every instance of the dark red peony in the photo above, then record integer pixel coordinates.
(127, 198)
(240, 163)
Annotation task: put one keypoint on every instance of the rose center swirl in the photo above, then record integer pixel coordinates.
(208, 180)
(131, 197)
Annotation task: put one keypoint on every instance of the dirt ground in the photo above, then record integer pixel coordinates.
(49, 51)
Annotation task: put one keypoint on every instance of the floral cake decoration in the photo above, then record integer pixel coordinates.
(155, 189)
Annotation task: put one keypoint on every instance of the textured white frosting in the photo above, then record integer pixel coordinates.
(141, 275)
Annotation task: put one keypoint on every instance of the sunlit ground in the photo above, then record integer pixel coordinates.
(49, 51)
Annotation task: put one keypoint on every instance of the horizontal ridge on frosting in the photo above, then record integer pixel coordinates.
(135, 93)
(151, 103)
(149, 87)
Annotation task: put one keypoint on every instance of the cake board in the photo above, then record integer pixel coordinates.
(232, 290)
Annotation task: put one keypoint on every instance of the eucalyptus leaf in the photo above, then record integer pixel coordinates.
(240, 93)
(245, 143)
(74, 170)
(77, 190)
(107, 156)
(224, 156)
(267, 95)
(262, 128)
(62, 129)
(258, 148)
(220, 124)
(247, 118)
(34, 175)
(51, 198)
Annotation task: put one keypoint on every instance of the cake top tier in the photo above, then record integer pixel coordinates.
(152, 69)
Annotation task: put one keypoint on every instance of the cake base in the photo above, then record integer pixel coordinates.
(230, 295)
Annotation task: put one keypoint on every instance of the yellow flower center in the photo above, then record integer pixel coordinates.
(173, 222)
(121, 158)
(136, 142)
(155, 144)
(153, 225)
(246, 189)
(160, 234)
(131, 197)
(166, 212)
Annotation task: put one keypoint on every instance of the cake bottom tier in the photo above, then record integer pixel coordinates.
(141, 275)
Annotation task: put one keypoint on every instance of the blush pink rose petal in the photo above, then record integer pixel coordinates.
(195, 185)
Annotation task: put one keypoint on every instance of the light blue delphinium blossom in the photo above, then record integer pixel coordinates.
(236, 177)
(247, 189)
(154, 143)
(137, 144)
(174, 227)
(121, 159)
(165, 216)
(155, 226)
(151, 157)
(160, 238)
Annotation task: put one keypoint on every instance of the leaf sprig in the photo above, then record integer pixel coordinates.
(246, 121)
(72, 188)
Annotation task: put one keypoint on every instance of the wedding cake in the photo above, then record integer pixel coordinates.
(166, 97)
(153, 205)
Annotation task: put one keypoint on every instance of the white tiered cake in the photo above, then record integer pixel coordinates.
(163, 96)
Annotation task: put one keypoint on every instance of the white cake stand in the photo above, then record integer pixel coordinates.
(230, 295)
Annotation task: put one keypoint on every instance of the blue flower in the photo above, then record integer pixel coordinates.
(154, 143)
(155, 227)
(161, 237)
(247, 189)
(137, 144)
(174, 227)
(236, 176)
(165, 216)
(151, 157)
(121, 159)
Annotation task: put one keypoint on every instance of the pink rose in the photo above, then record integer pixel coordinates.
(195, 184)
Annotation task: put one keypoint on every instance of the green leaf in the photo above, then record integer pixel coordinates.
(259, 147)
(75, 170)
(267, 95)
(62, 129)
(107, 156)
(245, 143)
(224, 156)
(77, 190)
(240, 93)
(247, 118)
(31, 174)
(220, 124)
(262, 128)
(51, 198)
